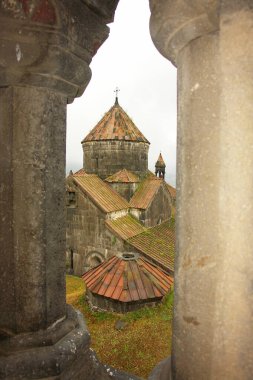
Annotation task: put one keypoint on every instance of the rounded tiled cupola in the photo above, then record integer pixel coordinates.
(126, 283)
(115, 143)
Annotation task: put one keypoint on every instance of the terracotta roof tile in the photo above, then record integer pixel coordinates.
(123, 176)
(146, 192)
(80, 172)
(101, 193)
(126, 226)
(158, 243)
(115, 125)
(128, 280)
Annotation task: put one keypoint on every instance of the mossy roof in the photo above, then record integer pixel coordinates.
(100, 193)
(157, 243)
(125, 227)
(146, 192)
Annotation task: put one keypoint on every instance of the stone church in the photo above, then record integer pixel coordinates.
(44, 64)
(114, 203)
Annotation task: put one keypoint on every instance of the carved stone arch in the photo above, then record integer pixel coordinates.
(93, 259)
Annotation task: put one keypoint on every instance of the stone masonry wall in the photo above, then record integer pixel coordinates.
(108, 157)
(159, 210)
(126, 190)
(87, 236)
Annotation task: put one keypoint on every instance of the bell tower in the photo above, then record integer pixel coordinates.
(160, 167)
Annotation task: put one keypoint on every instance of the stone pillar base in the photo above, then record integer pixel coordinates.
(60, 352)
(162, 371)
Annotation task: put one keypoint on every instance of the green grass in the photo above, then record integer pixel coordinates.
(137, 348)
(74, 289)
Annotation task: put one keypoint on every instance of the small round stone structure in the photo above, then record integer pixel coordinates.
(126, 283)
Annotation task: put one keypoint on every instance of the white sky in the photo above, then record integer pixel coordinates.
(147, 81)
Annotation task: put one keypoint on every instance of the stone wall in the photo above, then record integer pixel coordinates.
(158, 211)
(87, 236)
(108, 157)
(126, 190)
(98, 302)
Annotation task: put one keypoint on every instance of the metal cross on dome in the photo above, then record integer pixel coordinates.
(117, 90)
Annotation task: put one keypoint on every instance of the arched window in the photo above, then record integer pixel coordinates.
(95, 261)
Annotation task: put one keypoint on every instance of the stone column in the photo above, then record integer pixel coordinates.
(45, 50)
(211, 43)
(32, 206)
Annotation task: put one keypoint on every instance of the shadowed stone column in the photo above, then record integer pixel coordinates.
(33, 235)
(45, 50)
(211, 43)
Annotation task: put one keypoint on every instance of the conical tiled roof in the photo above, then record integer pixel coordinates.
(128, 280)
(160, 162)
(115, 125)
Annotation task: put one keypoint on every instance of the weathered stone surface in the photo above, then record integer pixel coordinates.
(126, 190)
(197, 207)
(212, 331)
(59, 352)
(53, 349)
(105, 158)
(87, 235)
(107, 9)
(121, 324)
(120, 375)
(47, 44)
(45, 49)
(175, 23)
(159, 209)
(235, 219)
(162, 371)
(32, 238)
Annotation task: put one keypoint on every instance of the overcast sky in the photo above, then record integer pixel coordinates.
(147, 82)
